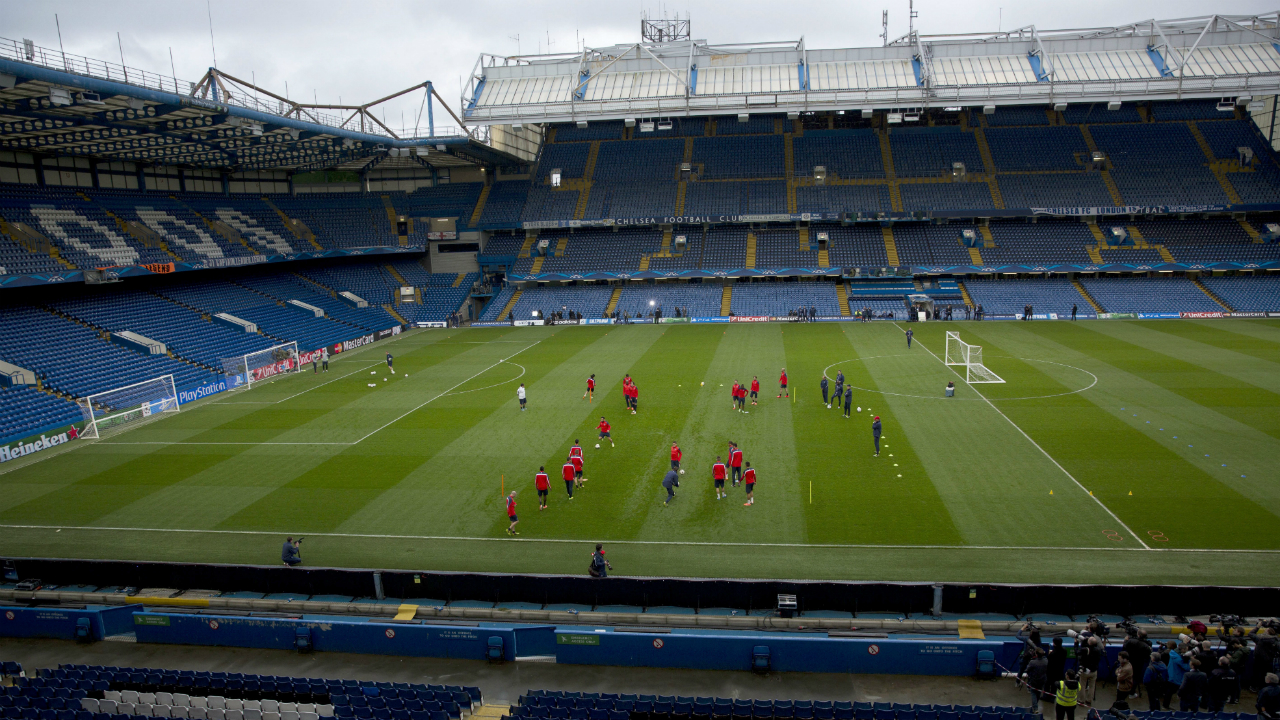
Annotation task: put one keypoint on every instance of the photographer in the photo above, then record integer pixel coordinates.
(1266, 646)
(600, 567)
(1030, 643)
(1057, 662)
(1088, 656)
(1179, 665)
(1036, 676)
(1238, 656)
(1222, 682)
(1139, 649)
(291, 553)
(1155, 678)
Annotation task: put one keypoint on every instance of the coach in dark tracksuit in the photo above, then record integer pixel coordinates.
(875, 433)
(839, 391)
(824, 390)
(671, 482)
(848, 399)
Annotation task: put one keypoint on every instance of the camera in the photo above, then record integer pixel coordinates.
(1031, 627)
(1227, 621)
(1130, 627)
(1097, 627)
(1269, 623)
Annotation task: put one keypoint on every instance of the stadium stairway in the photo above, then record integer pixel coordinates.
(1249, 230)
(726, 297)
(1165, 255)
(392, 312)
(890, 249)
(537, 264)
(526, 250)
(506, 310)
(475, 214)
(1088, 298)
(751, 250)
(297, 227)
(975, 256)
(842, 296)
(396, 274)
(964, 293)
(1212, 295)
(613, 301)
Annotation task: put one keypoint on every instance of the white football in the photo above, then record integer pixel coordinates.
(702, 383)
(681, 471)
(859, 409)
(828, 406)
(597, 444)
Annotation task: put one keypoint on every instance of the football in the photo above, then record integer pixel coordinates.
(828, 406)
(597, 444)
(859, 409)
(681, 471)
(702, 383)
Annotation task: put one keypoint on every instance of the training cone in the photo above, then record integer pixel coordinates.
(1130, 492)
(1050, 492)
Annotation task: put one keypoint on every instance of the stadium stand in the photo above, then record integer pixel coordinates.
(1082, 113)
(779, 298)
(725, 247)
(568, 132)
(504, 204)
(853, 245)
(1047, 241)
(1018, 115)
(844, 153)
(739, 157)
(931, 150)
(341, 220)
(843, 198)
(700, 299)
(1247, 294)
(1205, 240)
(946, 195)
(493, 311)
(780, 248)
(1149, 295)
(590, 300)
(186, 235)
(1009, 297)
(25, 410)
(1060, 147)
(924, 244)
(1054, 190)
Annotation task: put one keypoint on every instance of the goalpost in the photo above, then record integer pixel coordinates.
(970, 356)
(131, 403)
(256, 367)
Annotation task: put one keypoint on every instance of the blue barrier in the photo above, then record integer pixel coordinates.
(27, 622)
(327, 635)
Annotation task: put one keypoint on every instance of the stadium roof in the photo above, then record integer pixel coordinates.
(57, 103)
(1214, 56)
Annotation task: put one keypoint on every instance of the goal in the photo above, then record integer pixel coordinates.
(116, 408)
(969, 356)
(256, 367)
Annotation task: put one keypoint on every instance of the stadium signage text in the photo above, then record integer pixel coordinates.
(44, 443)
(1202, 315)
(186, 396)
(424, 324)
(750, 318)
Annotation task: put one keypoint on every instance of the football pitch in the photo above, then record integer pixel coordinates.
(1116, 452)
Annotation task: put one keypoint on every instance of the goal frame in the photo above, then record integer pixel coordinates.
(168, 403)
(961, 353)
(237, 366)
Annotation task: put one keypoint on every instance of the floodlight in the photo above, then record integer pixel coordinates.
(651, 303)
(582, 124)
(517, 127)
(867, 113)
(742, 117)
(988, 109)
(629, 122)
(1113, 105)
(59, 96)
(1059, 107)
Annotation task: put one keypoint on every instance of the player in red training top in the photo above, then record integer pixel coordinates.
(603, 427)
(755, 390)
(717, 474)
(635, 398)
(590, 394)
(626, 391)
(735, 463)
(733, 397)
(576, 449)
(567, 471)
(511, 513)
(783, 381)
(577, 470)
(676, 454)
(750, 479)
(543, 485)
(742, 397)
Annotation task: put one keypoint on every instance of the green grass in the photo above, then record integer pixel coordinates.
(1115, 452)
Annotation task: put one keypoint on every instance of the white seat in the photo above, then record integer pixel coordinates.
(306, 708)
(270, 706)
(181, 700)
(164, 698)
(197, 713)
(308, 716)
(89, 704)
(142, 709)
(266, 715)
(199, 702)
(252, 714)
(112, 695)
(235, 704)
(147, 698)
(215, 713)
(235, 715)
(129, 696)
(160, 711)
(124, 708)
(288, 715)
(107, 706)
(217, 701)
(288, 707)
(252, 705)
(324, 710)
(179, 711)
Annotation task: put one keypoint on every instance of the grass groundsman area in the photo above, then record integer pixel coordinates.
(1116, 451)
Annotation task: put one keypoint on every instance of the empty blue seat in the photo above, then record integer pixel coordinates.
(885, 714)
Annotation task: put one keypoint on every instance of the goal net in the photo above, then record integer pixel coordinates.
(970, 357)
(116, 408)
(256, 367)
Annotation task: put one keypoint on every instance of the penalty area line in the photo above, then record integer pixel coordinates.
(693, 543)
(1036, 444)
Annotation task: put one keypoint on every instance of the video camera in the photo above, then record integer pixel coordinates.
(1097, 627)
(1130, 627)
(1226, 621)
(1269, 623)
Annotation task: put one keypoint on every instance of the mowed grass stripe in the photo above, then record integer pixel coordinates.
(464, 482)
(702, 418)
(1164, 365)
(325, 497)
(980, 462)
(1111, 458)
(857, 498)
(1217, 334)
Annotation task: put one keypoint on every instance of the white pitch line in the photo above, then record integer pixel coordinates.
(1036, 444)
(455, 538)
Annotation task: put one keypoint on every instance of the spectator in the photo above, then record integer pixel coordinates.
(1124, 682)
(1221, 683)
(1155, 678)
(1268, 704)
(1178, 667)
(1036, 677)
(1192, 689)
(1266, 646)
(1238, 655)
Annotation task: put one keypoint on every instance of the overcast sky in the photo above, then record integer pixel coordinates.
(360, 51)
